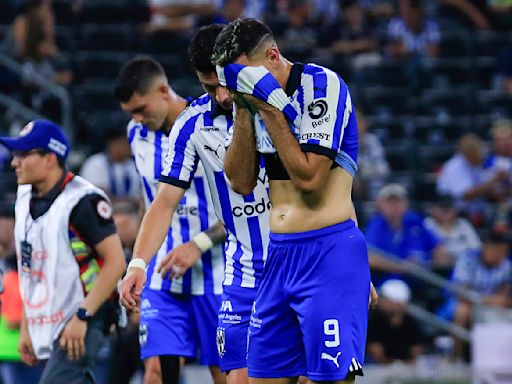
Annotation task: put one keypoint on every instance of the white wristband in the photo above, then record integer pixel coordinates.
(203, 241)
(137, 263)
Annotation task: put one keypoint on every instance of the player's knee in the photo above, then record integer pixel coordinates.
(152, 377)
(238, 376)
(217, 376)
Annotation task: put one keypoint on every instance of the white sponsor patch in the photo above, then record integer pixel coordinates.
(56, 146)
(104, 209)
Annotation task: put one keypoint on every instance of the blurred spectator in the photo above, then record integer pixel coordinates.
(400, 232)
(33, 33)
(498, 163)
(325, 12)
(12, 369)
(489, 273)
(474, 14)
(125, 346)
(373, 168)
(378, 10)
(35, 19)
(114, 169)
(463, 178)
(179, 15)
(356, 39)
(394, 335)
(457, 234)
(504, 75)
(231, 10)
(412, 34)
(296, 35)
(127, 216)
(483, 15)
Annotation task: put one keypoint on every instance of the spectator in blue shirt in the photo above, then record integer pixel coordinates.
(400, 232)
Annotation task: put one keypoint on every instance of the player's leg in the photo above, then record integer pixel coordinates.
(162, 370)
(205, 309)
(329, 293)
(233, 324)
(164, 334)
(276, 350)
(237, 376)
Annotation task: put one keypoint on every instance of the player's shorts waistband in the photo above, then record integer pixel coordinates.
(316, 233)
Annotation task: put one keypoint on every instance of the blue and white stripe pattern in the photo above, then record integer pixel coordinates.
(319, 111)
(198, 136)
(193, 215)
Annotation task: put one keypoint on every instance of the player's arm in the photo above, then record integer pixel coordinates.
(181, 258)
(308, 171)
(152, 233)
(92, 220)
(241, 163)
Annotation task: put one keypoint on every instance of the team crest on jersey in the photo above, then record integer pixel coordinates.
(143, 333)
(26, 129)
(221, 341)
(317, 109)
(104, 209)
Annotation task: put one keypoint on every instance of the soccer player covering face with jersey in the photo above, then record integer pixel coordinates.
(310, 313)
(198, 137)
(178, 315)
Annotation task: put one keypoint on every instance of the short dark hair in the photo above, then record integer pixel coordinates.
(239, 37)
(494, 236)
(136, 76)
(201, 48)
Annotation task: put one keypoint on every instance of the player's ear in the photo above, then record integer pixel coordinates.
(163, 89)
(272, 55)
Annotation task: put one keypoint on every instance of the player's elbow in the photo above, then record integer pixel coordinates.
(243, 187)
(308, 185)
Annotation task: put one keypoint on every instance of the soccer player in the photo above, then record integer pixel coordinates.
(176, 314)
(199, 136)
(310, 313)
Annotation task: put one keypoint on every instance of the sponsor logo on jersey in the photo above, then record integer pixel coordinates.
(251, 209)
(184, 210)
(317, 109)
(315, 135)
(209, 129)
(215, 151)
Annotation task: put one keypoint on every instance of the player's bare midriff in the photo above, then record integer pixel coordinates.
(294, 211)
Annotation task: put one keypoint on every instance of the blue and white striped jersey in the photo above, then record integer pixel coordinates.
(199, 134)
(194, 214)
(320, 110)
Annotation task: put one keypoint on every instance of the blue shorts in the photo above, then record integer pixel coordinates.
(311, 311)
(234, 316)
(177, 325)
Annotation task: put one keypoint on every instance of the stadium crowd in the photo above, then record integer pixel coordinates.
(431, 82)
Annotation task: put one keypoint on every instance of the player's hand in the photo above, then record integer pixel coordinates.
(72, 338)
(179, 260)
(374, 296)
(131, 288)
(25, 348)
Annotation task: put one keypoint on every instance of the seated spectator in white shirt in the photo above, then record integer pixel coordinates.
(114, 169)
(489, 273)
(464, 178)
(499, 161)
(412, 33)
(457, 233)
